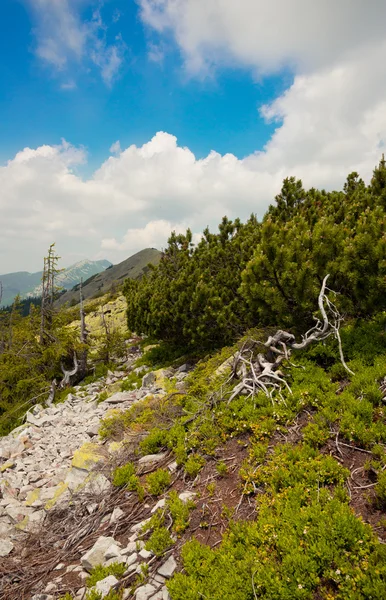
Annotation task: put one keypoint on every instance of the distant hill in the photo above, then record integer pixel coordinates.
(133, 268)
(29, 284)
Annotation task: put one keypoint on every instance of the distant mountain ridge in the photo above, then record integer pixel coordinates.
(29, 284)
(133, 267)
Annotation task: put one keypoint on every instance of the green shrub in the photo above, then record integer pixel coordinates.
(316, 434)
(380, 489)
(179, 511)
(194, 465)
(295, 550)
(132, 382)
(99, 572)
(159, 541)
(158, 482)
(122, 476)
(222, 469)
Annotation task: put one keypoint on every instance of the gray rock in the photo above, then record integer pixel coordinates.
(96, 554)
(112, 551)
(168, 568)
(158, 596)
(105, 585)
(183, 368)
(145, 554)
(185, 496)
(160, 504)
(118, 398)
(131, 559)
(75, 477)
(139, 525)
(93, 430)
(116, 515)
(6, 547)
(166, 595)
(144, 592)
(149, 379)
(150, 459)
(130, 548)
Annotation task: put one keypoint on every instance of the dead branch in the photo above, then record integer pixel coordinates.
(261, 372)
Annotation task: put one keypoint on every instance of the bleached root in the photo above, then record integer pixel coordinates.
(262, 373)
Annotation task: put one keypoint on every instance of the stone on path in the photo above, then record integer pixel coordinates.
(6, 547)
(148, 379)
(168, 568)
(104, 585)
(144, 592)
(96, 554)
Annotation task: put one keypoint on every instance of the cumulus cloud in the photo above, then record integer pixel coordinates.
(133, 200)
(300, 34)
(330, 121)
(64, 40)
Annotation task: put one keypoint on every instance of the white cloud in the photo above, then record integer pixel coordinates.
(65, 42)
(330, 121)
(134, 199)
(115, 148)
(301, 34)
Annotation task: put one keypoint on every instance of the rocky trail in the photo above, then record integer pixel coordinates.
(59, 513)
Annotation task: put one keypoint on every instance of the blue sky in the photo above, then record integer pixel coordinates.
(218, 111)
(122, 120)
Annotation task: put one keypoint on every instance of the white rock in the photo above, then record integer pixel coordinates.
(166, 595)
(148, 379)
(168, 568)
(150, 459)
(116, 515)
(112, 552)
(131, 559)
(144, 592)
(75, 477)
(130, 548)
(145, 554)
(173, 466)
(96, 554)
(139, 526)
(105, 585)
(157, 596)
(160, 504)
(6, 547)
(185, 496)
(118, 398)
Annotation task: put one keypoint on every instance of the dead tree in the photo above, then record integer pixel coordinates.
(49, 290)
(262, 372)
(79, 370)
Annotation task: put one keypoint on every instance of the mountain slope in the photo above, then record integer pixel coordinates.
(29, 284)
(133, 267)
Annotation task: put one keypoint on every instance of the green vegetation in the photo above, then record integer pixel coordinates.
(99, 572)
(158, 482)
(159, 541)
(268, 273)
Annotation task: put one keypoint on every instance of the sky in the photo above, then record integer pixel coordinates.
(122, 120)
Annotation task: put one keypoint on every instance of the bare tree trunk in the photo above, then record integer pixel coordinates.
(50, 271)
(79, 371)
(51, 396)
